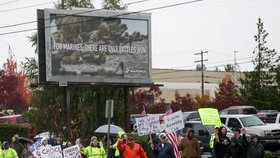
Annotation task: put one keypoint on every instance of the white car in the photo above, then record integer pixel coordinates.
(269, 134)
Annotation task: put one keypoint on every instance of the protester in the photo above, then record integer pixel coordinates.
(68, 144)
(130, 149)
(221, 143)
(79, 143)
(237, 135)
(26, 153)
(123, 136)
(214, 135)
(94, 150)
(17, 145)
(254, 148)
(164, 149)
(8, 152)
(45, 142)
(189, 145)
(58, 141)
(235, 149)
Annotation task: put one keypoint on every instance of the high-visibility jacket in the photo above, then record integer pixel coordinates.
(94, 152)
(212, 140)
(8, 153)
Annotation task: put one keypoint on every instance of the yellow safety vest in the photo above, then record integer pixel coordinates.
(212, 139)
(8, 153)
(94, 152)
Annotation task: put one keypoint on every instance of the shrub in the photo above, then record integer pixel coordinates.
(7, 131)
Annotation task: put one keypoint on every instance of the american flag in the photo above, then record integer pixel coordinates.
(172, 137)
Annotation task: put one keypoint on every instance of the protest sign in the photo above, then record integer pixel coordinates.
(209, 116)
(148, 125)
(72, 152)
(174, 122)
(34, 148)
(51, 151)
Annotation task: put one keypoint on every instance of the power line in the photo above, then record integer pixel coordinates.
(118, 15)
(83, 12)
(9, 2)
(34, 5)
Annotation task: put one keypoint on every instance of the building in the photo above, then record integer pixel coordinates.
(188, 81)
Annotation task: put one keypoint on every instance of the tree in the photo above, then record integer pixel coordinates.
(198, 67)
(184, 103)
(202, 101)
(229, 68)
(113, 5)
(258, 87)
(226, 95)
(14, 93)
(150, 98)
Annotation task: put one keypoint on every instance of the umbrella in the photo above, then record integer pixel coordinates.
(24, 140)
(113, 129)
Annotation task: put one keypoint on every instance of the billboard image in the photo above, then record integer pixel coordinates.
(97, 46)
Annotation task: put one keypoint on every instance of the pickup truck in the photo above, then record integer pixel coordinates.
(269, 134)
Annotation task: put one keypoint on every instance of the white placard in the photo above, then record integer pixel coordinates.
(72, 152)
(174, 122)
(51, 152)
(148, 125)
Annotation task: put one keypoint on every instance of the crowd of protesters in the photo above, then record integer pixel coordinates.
(125, 147)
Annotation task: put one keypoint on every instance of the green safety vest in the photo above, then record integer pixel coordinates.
(94, 152)
(8, 153)
(212, 139)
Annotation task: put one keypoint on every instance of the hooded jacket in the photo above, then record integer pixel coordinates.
(136, 151)
(222, 145)
(235, 150)
(254, 150)
(189, 147)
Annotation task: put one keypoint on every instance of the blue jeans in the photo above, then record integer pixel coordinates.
(213, 153)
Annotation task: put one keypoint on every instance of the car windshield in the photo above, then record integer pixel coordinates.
(251, 121)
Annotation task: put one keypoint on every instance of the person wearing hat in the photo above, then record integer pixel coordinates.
(164, 149)
(189, 145)
(94, 150)
(8, 152)
(123, 136)
(254, 148)
(214, 136)
(130, 149)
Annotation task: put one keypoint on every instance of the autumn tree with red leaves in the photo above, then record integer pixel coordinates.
(202, 101)
(184, 103)
(14, 93)
(150, 98)
(226, 95)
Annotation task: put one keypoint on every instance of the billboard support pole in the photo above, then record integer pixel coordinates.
(126, 110)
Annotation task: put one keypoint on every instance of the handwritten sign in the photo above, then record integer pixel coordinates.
(72, 152)
(209, 116)
(34, 148)
(51, 152)
(174, 122)
(148, 125)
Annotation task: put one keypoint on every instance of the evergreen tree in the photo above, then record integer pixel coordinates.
(259, 87)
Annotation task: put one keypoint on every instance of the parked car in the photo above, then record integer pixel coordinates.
(19, 120)
(203, 133)
(269, 134)
(268, 111)
(273, 118)
(239, 110)
(190, 115)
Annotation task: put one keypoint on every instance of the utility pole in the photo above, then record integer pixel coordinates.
(235, 67)
(202, 69)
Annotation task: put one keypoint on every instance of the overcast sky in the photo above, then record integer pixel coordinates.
(217, 26)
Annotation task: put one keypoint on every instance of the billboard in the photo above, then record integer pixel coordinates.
(97, 46)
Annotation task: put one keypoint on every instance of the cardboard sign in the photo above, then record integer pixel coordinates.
(210, 116)
(51, 152)
(174, 122)
(34, 148)
(148, 125)
(72, 152)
